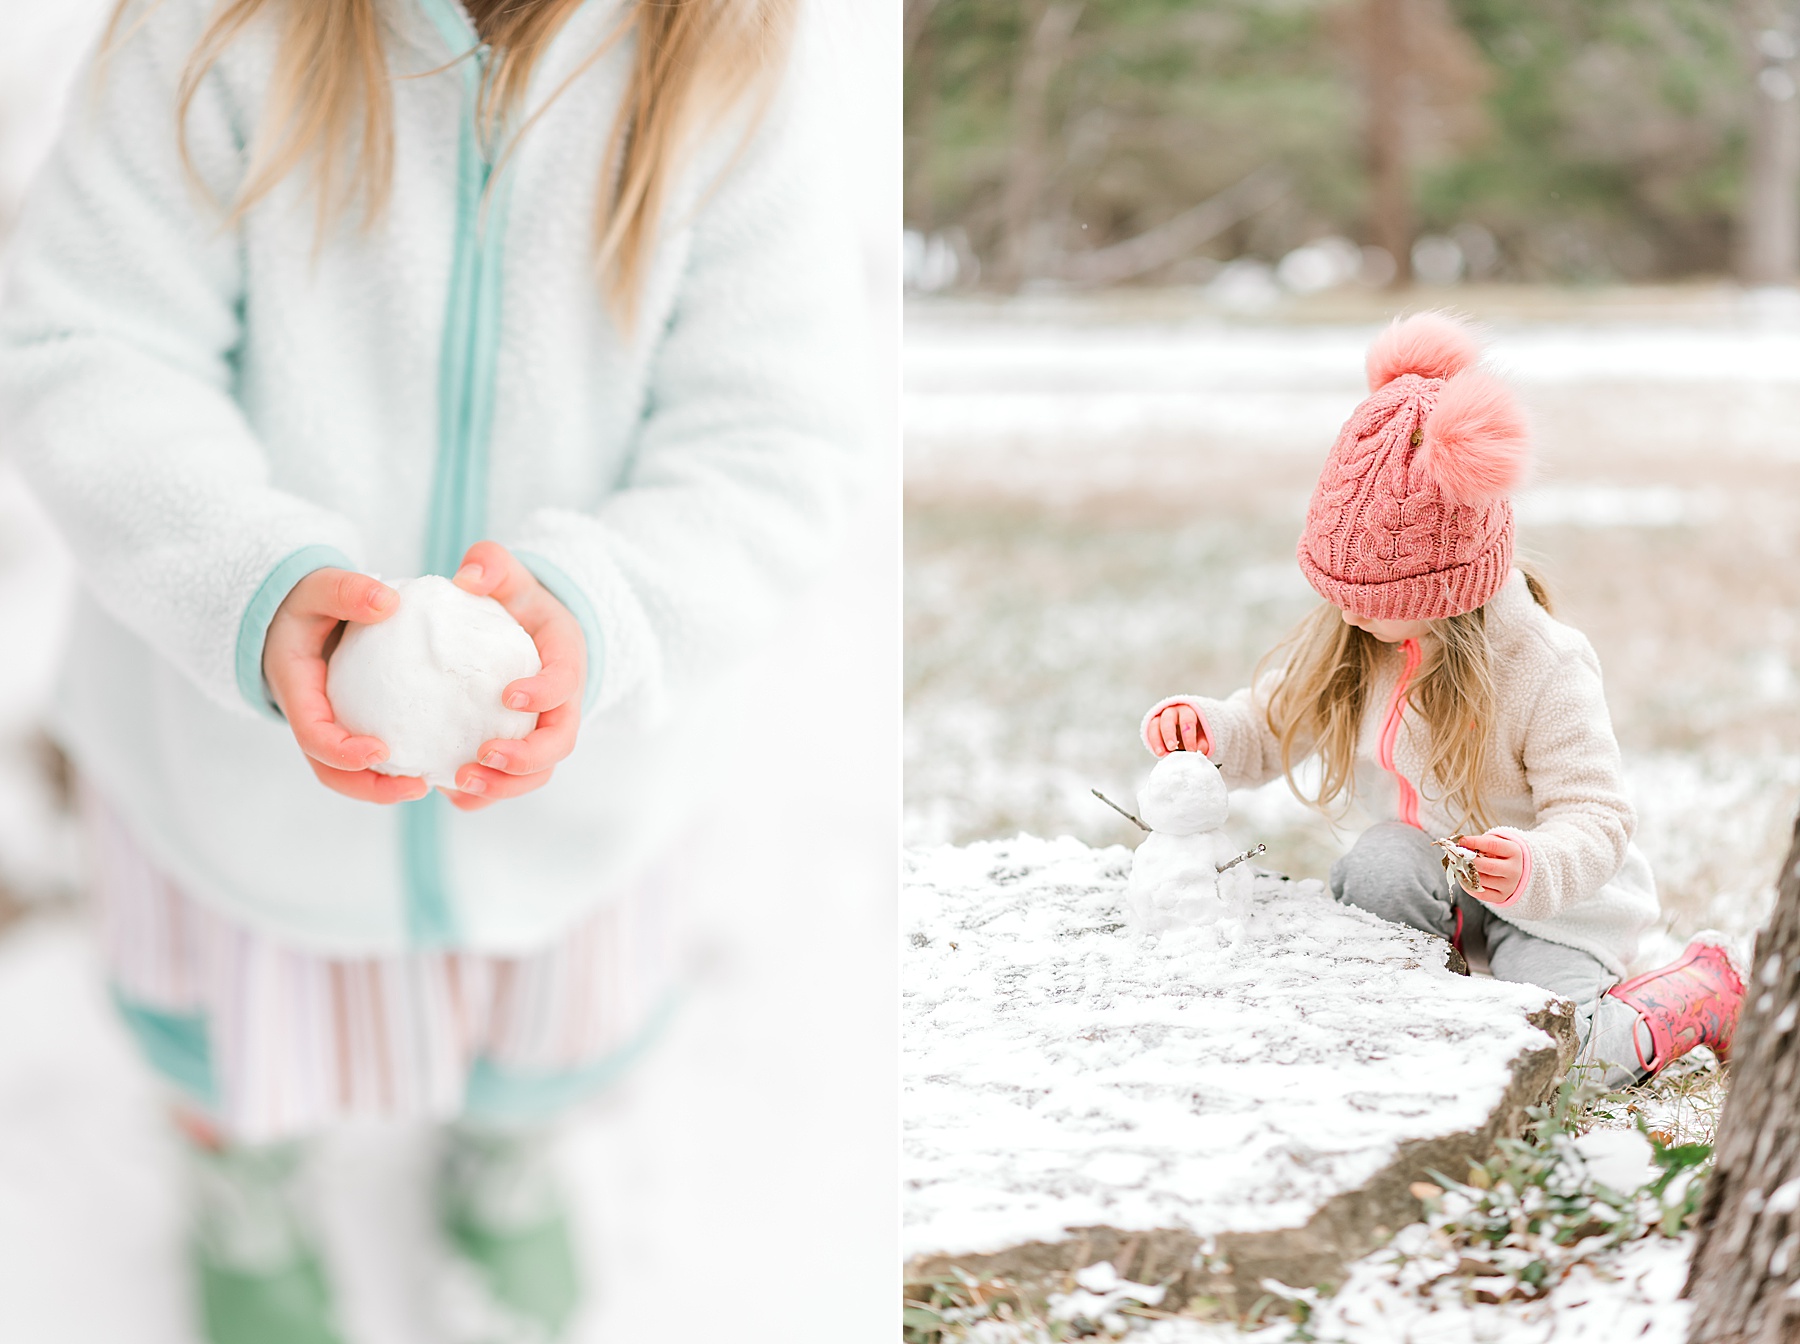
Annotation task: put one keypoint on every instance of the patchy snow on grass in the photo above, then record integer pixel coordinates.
(1060, 1070)
(1632, 1295)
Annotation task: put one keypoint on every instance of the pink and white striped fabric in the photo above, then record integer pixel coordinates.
(299, 1040)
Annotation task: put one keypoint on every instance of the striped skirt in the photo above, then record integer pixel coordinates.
(274, 1041)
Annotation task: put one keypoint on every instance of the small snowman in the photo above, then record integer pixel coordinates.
(1187, 870)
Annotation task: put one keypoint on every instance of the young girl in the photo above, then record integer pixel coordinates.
(546, 295)
(1436, 688)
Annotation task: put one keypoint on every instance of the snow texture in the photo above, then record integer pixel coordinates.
(1176, 880)
(427, 680)
(1060, 1071)
(1184, 795)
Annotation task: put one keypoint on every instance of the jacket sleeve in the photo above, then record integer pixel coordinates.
(117, 345)
(1244, 748)
(1584, 823)
(750, 440)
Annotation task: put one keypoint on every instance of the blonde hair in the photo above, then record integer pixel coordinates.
(1327, 666)
(330, 105)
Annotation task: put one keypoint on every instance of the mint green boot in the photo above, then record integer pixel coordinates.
(260, 1278)
(499, 1207)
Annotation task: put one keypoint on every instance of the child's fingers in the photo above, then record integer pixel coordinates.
(345, 595)
(484, 566)
(1190, 727)
(369, 787)
(1495, 846)
(1496, 867)
(557, 684)
(1168, 731)
(477, 787)
(301, 696)
(490, 570)
(543, 747)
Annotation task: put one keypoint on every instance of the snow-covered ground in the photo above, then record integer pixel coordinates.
(1061, 1070)
(741, 1186)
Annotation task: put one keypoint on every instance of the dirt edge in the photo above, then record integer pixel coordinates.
(1347, 1227)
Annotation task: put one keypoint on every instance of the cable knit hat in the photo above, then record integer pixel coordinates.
(1410, 520)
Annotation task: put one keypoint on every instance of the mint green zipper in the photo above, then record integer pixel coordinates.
(458, 516)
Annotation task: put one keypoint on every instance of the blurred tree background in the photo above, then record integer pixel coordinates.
(1561, 141)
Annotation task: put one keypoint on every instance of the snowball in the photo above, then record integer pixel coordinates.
(1184, 796)
(427, 680)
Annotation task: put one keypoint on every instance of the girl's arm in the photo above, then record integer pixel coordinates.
(743, 463)
(1584, 822)
(1234, 732)
(116, 375)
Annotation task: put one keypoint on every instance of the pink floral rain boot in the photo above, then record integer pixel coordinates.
(1694, 1000)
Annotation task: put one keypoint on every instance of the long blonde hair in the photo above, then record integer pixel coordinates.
(330, 105)
(1327, 668)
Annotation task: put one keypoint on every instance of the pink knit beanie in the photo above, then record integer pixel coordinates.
(1410, 520)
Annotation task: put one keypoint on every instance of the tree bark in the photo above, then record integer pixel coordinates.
(1747, 1258)
(1388, 70)
(1769, 226)
(1027, 165)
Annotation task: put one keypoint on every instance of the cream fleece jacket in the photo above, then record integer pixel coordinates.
(1553, 778)
(211, 412)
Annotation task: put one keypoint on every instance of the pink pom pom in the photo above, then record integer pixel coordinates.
(1476, 443)
(1434, 345)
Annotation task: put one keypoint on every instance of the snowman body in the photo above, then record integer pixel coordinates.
(1175, 878)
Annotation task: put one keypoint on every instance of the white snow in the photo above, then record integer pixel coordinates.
(1617, 1158)
(1064, 402)
(1184, 795)
(427, 680)
(1059, 1070)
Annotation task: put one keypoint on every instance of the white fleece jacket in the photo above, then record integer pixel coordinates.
(212, 412)
(1553, 777)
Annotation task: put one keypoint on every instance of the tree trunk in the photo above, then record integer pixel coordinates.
(917, 15)
(1769, 228)
(1039, 57)
(1389, 75)
(1748, 1254)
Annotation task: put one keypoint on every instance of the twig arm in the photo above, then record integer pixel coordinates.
(1247, 854)
(1121, 811)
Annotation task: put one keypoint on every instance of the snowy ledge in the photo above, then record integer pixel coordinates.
(1244, 1101)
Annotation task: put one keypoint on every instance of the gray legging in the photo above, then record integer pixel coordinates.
(1395, 872)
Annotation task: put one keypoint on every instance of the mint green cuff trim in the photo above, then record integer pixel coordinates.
(495, 1095)
(254, 628)
(566, 591)
(176, 1046)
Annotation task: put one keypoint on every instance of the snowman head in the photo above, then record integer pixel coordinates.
(1184, 795)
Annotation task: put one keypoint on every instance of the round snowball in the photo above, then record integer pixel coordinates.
(427, 680)
(1184, 795)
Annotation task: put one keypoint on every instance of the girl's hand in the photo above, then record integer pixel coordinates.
(1501, 863)
(1177, 728)
(505, 767)
(300, 639)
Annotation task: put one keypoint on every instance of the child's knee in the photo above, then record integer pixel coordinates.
(1393, 871)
